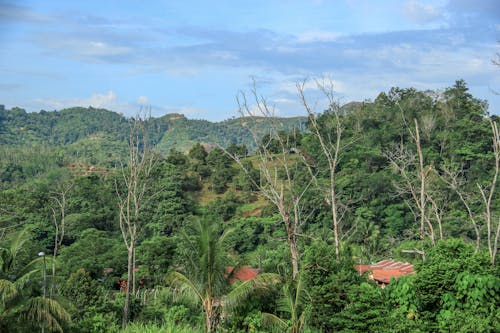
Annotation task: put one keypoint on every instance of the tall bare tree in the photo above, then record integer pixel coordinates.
(132, 195)
(60, 198)
(331, 146)
(415, 177)
(487, 194)
(278, 171)
(486, 217)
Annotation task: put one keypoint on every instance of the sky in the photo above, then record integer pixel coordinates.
(195, 57)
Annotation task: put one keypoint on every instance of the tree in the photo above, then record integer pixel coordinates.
(95, 252)
(206, 280)
(136, 179)
(198, 153)
(415, 176)
(456, 181)
(328, 282)
(20, 302)
(492, 236)
(365, 310)
(437, 276)
(331, 148)
(238, 150)
(474, 304)
(281, 172)
(85, 293)
(296, 302)
(59, 196)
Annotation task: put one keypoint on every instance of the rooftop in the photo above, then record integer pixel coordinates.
(383, 271)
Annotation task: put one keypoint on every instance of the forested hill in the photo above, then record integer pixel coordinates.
(412, 176)
(80, 125)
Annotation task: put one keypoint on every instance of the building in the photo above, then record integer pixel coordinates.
(383, 271)
(242, 274)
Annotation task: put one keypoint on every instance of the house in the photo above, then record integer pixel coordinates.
(383, 271)
(242, 274)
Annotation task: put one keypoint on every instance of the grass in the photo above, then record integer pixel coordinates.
(153, 328)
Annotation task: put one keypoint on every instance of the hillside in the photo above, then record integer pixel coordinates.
(82, 126)
(64, 192)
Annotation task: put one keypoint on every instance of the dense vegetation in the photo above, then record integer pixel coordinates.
(88, 129)
(410, 176)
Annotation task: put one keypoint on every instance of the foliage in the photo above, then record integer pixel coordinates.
(454, 289)
(22, 307)
(328, 282)
(474, 304)
(365, 311)
(207, 281)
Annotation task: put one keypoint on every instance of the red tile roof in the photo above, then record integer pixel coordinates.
(243, 273)
(384, 270)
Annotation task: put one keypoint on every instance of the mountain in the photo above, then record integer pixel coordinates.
(90, 128)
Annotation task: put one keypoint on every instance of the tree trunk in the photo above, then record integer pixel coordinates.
(292, 244)
(331, 150)
(130, 274)
(133, 272)
(210, 315)
(335, 220)
(422, 202)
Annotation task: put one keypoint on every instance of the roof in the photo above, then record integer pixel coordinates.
(243, 273)
(384, 270)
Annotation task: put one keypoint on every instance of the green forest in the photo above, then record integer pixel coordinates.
(116, 224)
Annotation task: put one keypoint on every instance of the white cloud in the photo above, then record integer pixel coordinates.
(283, 100)
(107, 100)
(81, 47)
(96, 48)
(223, 55)
(110, 101)
(420, 13)
(143, 100)
(101, 100)
(318, 36)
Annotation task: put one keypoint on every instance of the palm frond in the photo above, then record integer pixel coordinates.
(37, 263)
(225, 234)
(9, 252)
(242, 291)
(184, 286)
(6, 259)
(273, 321)
(18, 242)
(286, 302)
(27, 279)
(8, 291)
(47, 312)
(304, 316)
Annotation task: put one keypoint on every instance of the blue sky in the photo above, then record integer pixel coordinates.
(193, 57)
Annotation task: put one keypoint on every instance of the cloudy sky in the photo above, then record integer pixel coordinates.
(193, 57)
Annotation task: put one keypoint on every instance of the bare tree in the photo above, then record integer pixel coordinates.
(60, 184)
(487, 194)
(452, 176)
(278, 171)
(423, 172)
(416, 185)
(331, 148)
(60, 198)
(132, 195)
(496, 62)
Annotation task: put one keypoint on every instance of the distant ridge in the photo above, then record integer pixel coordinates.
(72, 125)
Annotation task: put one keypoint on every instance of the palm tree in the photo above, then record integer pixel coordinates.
(206, 281)
(296, 302)
(21, 305)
